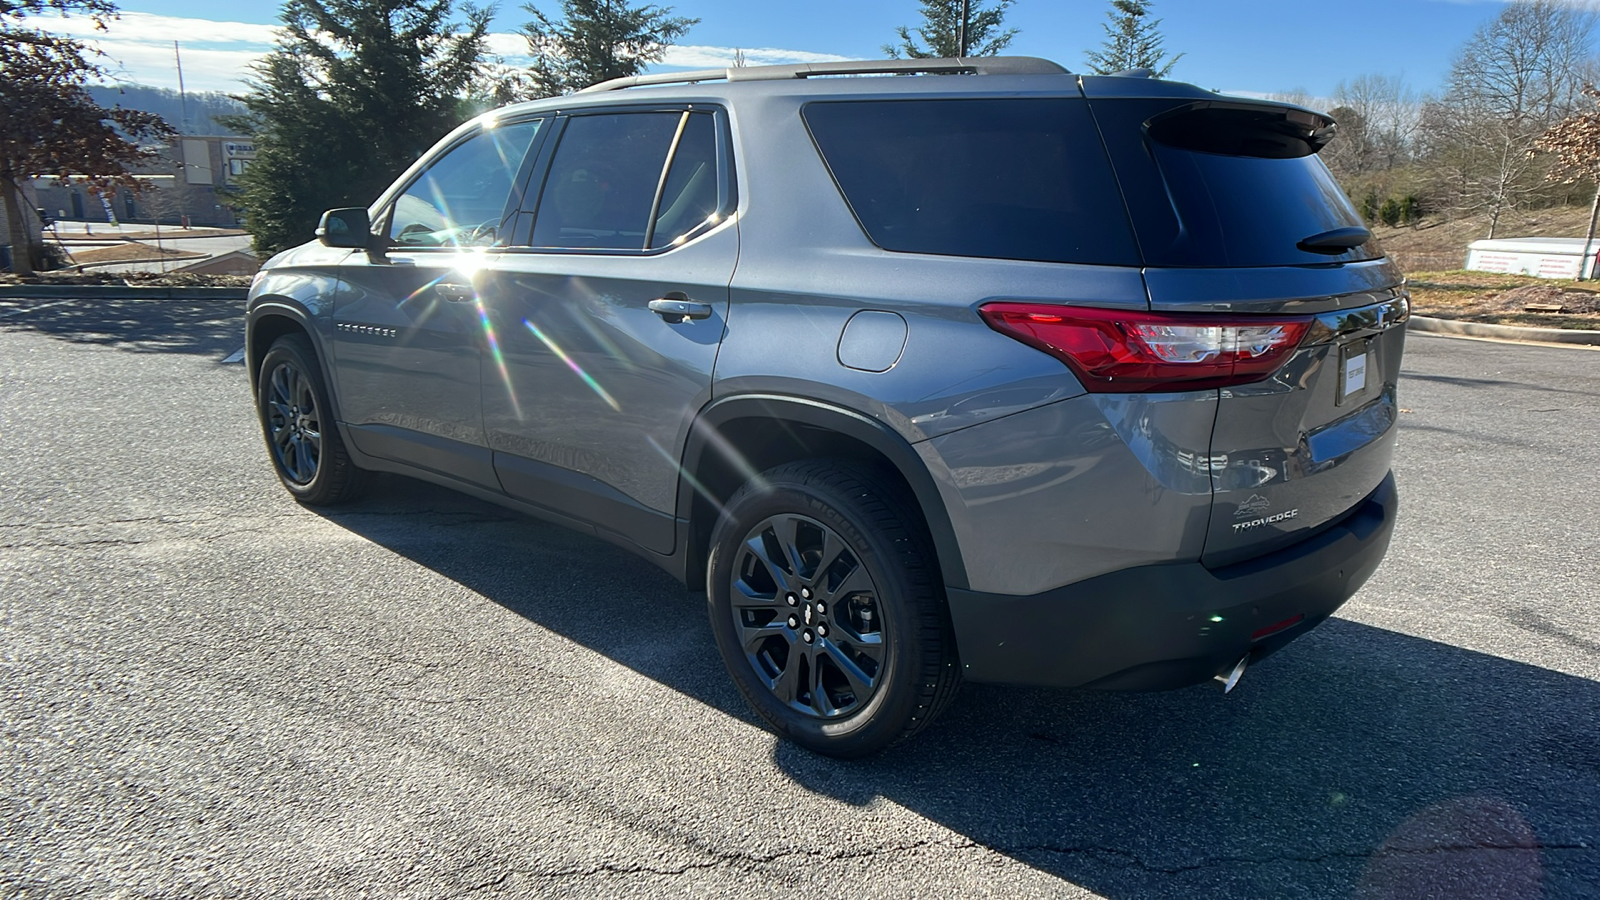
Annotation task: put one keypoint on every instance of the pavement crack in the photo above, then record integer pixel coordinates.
(718, 859)
(96, 542)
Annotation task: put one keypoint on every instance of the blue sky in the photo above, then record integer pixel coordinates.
(1257, 46)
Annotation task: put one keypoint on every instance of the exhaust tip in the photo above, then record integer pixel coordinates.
(1230, 680)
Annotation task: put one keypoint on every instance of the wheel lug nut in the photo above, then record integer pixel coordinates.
(821, 607)
(806, 637)
(822, 631)
(790, 599)
(794, 622)
(806, 593)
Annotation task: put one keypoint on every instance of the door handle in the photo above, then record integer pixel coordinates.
(455, 293)
(677, 308)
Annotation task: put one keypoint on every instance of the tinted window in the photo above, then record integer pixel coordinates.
(459, 200)
(602, 181)
(1193, 205)
(689, 197)
(1010, 179)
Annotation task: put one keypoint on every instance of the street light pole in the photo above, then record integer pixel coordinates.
(961, 32)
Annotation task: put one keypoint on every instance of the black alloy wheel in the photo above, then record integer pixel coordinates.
(807, 612)
(302, 439)
(826, 606)
(293, 423)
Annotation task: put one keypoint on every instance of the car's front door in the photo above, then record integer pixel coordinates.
(608, 317)
(408, 336)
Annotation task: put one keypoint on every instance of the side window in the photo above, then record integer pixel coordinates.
(459, 200)
(689, 196)
(1004, 179)
(603, 181)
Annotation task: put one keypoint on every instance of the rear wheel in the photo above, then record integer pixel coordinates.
(302, 439)
(827, 610)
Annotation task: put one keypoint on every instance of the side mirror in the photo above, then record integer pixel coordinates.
(349, 228)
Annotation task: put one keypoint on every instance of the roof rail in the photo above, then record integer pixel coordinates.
(979, 65)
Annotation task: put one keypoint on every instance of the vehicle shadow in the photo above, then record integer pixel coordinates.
(211, 327)
(1359, 763)
(1490, 383)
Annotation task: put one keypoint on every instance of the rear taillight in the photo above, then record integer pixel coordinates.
(1123, 351)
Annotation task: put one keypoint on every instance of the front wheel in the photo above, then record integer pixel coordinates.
(827, 609)
(296, 420)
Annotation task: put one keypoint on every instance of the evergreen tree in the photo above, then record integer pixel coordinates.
(49, 125)
(354, 92)
(941, 29)
(595, 41)
(1133, 41)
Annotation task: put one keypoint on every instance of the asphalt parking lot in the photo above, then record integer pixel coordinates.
(211, 691)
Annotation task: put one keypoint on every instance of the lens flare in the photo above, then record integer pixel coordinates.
(494, 352)
(577, 369)
(733, 457)
(699, 488)
(423, 291)
(470, 260)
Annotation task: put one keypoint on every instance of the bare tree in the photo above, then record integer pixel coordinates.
(1575, 144)
(1518, 75)
(1297, 95)
(1378, 118)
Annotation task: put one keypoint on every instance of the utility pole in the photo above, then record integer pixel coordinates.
(181, 177)
(961, 32)
(183, 102)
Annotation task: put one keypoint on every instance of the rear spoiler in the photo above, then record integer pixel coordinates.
(1243, 128)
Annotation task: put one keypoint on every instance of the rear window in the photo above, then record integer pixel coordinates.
(1005, 179)
(1208, 185)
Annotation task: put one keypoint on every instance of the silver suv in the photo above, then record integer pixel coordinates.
(952, 369)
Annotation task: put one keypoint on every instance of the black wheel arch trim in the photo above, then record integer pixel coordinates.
(285, 308)
(847, 422)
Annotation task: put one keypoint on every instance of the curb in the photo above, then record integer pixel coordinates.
(118, 292)
(1505, 332)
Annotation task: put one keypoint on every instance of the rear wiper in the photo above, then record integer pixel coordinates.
(1336, 241)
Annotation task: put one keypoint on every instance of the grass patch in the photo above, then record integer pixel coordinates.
(1499, 299)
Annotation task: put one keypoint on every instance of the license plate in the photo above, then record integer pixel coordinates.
(1353, 359)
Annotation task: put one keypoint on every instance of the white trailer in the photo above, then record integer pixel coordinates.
(1543, 257)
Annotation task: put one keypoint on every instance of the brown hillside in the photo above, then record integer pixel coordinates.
(1437, 245)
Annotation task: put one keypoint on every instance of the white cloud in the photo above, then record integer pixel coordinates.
(701, 57)
(513, 48)
(509, 44)
(217, 55)
(203, 69)
(137, 27)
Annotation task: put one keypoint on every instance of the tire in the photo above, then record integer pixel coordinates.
(297, 422)
(827, 608)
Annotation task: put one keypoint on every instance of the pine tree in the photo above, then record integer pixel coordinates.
(354, 92)
(49, 125)
(941, 28)
(1133, 41)
(595, 41)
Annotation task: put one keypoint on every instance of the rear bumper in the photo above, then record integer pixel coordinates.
(1168, 626)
